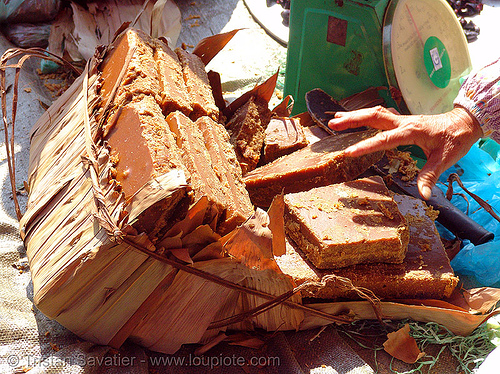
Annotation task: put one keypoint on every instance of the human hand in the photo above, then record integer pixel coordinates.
(444, 138)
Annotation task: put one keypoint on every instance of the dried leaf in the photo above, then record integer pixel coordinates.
(481, 300)
(245, 340)
(60, 38)
(194, 218)
(43, 105)
(206, 347)
(188, 306)
(202, 235)
(142, 240)
(182, 254)
(264, 91)
(402, 346)
(171, 242)
(212, 217)
(305, 119)
(156, 15)
(434, 303)
(100, 22)
(171, 186)
(208, 48)
(252, 243)
(210, 252)
(277, 225)
(284, 109)
(215, 83)
(226, 238)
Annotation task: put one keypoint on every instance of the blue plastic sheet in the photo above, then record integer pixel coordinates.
(479, 171)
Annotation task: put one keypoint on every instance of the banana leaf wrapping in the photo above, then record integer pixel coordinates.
(101, 277)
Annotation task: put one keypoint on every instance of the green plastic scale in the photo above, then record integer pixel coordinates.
(414, 48)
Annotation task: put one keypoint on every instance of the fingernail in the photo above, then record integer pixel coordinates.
(426, 192)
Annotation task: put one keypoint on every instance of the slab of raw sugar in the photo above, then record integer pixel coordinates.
(129, 69)
(424, 274)
(228, 171)
(283, 136)
(174, 93)
(247, 129)
(347, 223)
(198, 85)
(318, 164)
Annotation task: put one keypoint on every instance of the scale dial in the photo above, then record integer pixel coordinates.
(425, 54)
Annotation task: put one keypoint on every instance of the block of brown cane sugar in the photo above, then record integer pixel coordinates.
(174, 94)
(142, 148)
(347, 223)
(283, 136)
(142, 143)
(424, 274)
(198, 86)
(196, 157)
(315, 133)
(130, 62)
(228, 171)
(318, 164)
(247, 129)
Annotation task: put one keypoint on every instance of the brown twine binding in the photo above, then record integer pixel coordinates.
(362, 292)
(345, 283)
(25, 54)
(274, 300)
(453, 177)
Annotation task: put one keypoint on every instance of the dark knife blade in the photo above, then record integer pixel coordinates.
(322, 108)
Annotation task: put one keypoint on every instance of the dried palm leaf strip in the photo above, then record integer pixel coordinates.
(9, 142)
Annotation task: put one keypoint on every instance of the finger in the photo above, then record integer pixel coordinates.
(382, 141)
(428, 176)
(377, 117)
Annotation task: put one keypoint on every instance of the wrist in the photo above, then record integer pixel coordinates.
(465, 117)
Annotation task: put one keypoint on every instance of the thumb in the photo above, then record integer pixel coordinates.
(428, 176)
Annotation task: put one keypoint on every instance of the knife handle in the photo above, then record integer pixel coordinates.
(457, 221)
(449, 216)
